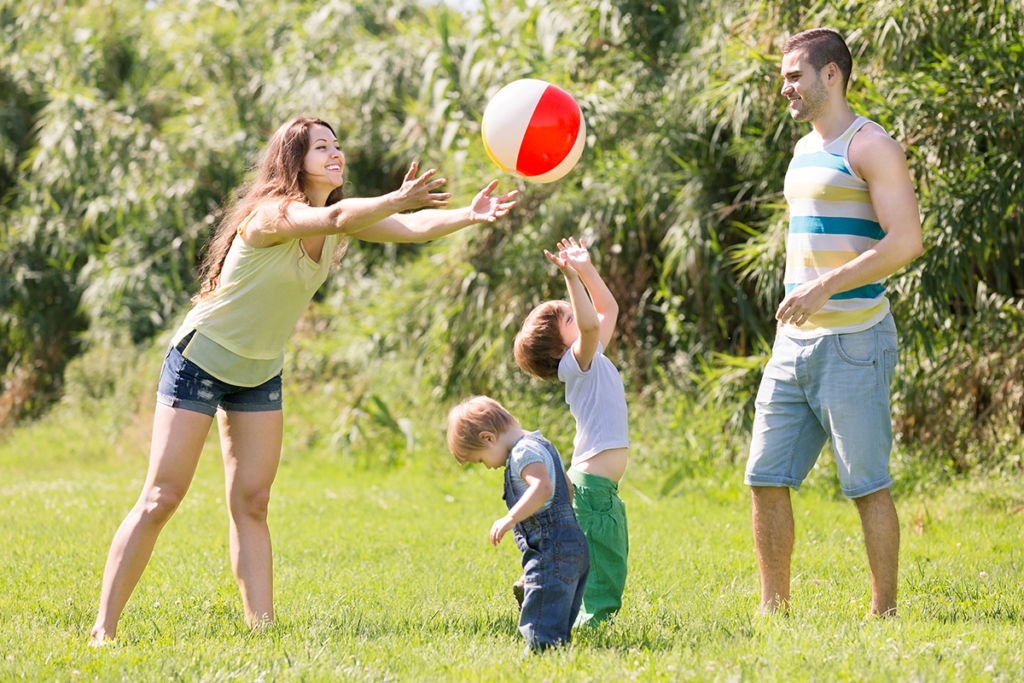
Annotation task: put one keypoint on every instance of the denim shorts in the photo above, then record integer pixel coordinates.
(833, 387)
(183, 384)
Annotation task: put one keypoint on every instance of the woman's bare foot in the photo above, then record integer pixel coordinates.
(99, 638)
(260, 625)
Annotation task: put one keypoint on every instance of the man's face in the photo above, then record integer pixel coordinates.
(803, 87)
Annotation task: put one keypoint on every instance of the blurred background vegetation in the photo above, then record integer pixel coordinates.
(124, 126)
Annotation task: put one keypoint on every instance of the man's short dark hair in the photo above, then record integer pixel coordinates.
(823, 46)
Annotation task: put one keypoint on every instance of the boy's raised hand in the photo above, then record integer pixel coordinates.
(561, 262)
(571, 256)
(576, 259)
(575, 255)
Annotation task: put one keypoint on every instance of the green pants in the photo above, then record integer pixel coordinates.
(602, 516)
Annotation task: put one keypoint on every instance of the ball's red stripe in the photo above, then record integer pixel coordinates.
(551, 134)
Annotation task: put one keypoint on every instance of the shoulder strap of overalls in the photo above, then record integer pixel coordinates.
(560, 494)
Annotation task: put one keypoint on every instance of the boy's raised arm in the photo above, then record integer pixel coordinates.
(578, 258)
(588, 322)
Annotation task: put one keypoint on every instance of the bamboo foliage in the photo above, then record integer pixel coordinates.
(124, 127)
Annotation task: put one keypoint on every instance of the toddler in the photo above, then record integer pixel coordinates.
(555, 556)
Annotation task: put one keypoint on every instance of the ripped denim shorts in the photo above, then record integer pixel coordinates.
(183, 384)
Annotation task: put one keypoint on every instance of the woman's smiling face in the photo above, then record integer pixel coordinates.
(324, 165)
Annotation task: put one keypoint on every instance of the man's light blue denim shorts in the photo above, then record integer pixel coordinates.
(833, 387)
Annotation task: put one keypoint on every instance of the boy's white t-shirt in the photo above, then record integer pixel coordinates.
(597, 399)
(524, 452)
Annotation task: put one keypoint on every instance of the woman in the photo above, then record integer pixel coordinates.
(270, 254)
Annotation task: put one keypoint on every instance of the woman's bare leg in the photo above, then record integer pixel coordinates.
(252, 451)
(178, 438)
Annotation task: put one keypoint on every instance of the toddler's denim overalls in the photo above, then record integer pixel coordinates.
(555, 562)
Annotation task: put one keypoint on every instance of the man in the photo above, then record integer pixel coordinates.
(853, 222)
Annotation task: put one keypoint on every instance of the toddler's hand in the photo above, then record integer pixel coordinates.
(500, 528)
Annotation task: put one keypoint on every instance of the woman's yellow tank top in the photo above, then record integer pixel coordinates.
(243, 325)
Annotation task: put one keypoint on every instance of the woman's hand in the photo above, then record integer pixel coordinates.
(487, 209)
(417, 193)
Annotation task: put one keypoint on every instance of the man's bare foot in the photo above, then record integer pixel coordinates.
(891, 614)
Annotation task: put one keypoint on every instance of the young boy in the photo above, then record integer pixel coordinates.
(566, 341)
(537, 493)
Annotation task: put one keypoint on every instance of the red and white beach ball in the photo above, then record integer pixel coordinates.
(534, 130)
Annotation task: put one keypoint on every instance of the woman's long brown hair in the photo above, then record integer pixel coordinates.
(280, 174)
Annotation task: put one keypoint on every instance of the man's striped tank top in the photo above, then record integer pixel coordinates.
(831, 222)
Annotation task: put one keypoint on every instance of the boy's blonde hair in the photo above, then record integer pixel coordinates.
(469, 418)
(538, 347)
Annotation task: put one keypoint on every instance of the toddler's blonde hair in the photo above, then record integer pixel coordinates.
(469, 418)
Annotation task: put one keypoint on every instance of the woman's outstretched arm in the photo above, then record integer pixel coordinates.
(429, 224)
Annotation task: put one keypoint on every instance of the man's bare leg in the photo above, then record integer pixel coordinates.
(881, 528)
(772, 516)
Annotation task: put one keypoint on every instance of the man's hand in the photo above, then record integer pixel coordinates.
(802, 303)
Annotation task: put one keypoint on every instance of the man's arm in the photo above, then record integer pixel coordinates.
(880, 161)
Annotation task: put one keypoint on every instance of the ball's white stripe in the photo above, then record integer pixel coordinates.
(508, 116)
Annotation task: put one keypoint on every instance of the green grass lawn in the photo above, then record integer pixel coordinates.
(389, 576)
